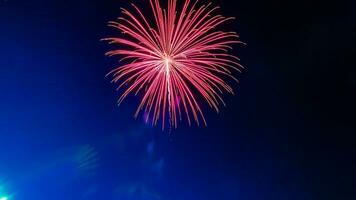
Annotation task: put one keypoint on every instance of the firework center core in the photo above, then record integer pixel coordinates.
(167, 64)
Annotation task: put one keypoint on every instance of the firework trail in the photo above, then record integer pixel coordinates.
(175, 60)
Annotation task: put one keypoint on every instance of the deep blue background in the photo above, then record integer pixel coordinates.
(287, 134)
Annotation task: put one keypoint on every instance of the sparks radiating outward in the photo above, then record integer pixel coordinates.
(175, 60)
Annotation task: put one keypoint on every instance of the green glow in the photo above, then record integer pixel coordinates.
(4, 198)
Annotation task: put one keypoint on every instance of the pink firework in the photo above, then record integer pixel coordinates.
(175, 60)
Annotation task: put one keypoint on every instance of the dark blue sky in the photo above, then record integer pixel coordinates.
(287, 134)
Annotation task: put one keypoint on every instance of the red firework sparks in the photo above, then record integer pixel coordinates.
(173, 61)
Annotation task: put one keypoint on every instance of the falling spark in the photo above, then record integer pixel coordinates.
(174, 60)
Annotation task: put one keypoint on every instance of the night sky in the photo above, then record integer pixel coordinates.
(287, 134)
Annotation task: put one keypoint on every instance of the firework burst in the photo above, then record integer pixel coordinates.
(174, 61)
